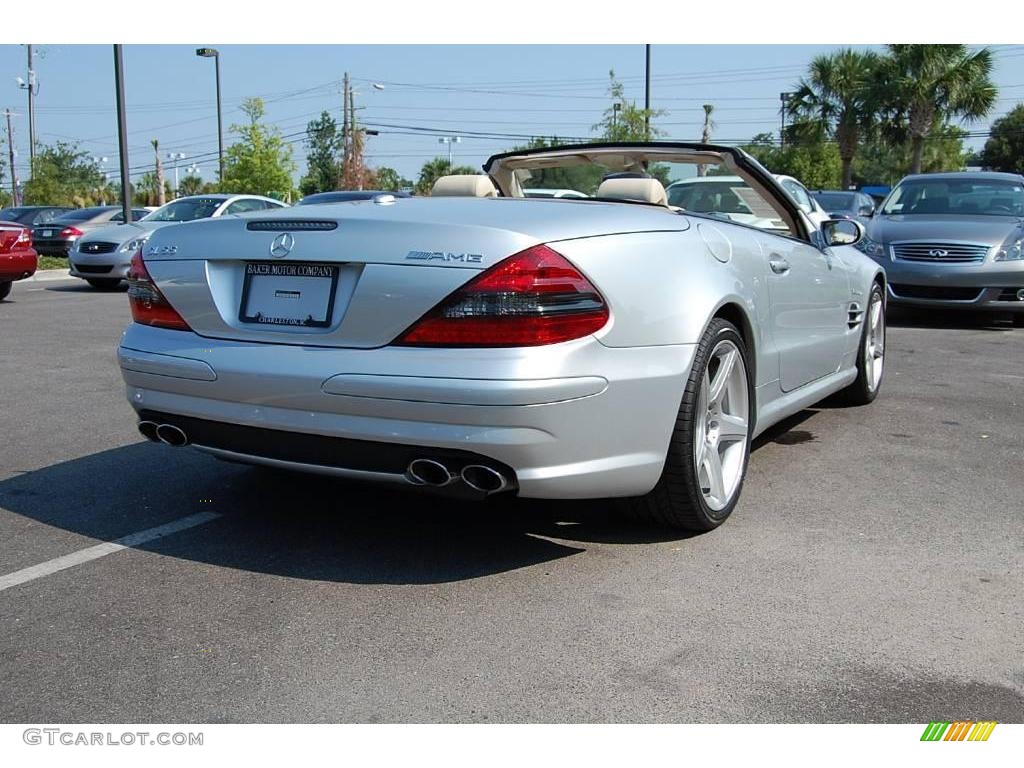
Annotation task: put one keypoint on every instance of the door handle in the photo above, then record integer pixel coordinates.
(778, 264)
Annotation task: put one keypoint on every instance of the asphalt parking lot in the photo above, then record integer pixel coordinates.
(873, 571)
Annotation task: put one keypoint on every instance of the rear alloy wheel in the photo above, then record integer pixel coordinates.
(871, 358)
(710, 445)
(103, 284)
(5, 289)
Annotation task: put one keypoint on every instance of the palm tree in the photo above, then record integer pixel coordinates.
(161, 196)
(190, 185)
(924, 86)
(838, 97)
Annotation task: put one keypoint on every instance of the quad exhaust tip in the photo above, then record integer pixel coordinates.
(171, 435)
(148, 430)
(163, 433)
(428, 472)
(483, 478)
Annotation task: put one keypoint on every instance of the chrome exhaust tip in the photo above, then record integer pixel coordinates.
(428, 472)
(483, 478)
(171, 435)
(148, 430)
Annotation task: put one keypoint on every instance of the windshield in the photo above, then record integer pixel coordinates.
(707, 188)
(835, 201)
(188, 209)
(970, 197)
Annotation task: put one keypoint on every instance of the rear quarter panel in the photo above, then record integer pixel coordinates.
(663, 288)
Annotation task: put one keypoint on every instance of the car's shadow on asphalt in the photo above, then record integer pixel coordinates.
(911, 317)
(308, 526)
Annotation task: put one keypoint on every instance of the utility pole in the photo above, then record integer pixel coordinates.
(122, 135)
(784, 98)
(345, 135)
(10, 156)
(647, 95)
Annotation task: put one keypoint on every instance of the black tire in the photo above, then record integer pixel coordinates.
(677, 501)
(860, 391)
(5, 289)
(103, 284)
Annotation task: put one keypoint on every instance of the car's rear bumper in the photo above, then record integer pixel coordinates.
(18, 265)
(52, 247)
(575, 420)
(988, 285)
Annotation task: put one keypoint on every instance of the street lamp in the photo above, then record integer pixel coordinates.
(174, 157)
(213, 53)
(451, 141)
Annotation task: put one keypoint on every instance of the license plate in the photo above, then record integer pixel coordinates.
(47, 233)
(288, 294)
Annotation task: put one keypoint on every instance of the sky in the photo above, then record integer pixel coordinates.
(505, 92)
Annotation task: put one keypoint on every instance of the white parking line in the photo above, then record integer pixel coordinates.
(34, 572)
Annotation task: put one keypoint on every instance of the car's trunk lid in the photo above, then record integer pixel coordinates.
(358, 274)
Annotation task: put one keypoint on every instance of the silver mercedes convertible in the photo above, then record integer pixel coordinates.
(479, 342)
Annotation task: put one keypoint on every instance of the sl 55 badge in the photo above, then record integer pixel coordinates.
(161, 250)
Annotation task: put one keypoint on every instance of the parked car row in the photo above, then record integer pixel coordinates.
(948, 241)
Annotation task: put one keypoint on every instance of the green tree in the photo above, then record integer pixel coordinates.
(260, 162)
(924, 86)
(190, 185)
(808, 156)
(883, 162)
(434, 169)
(1004, 150)
(838, 96)
(323, 165)
(146, 191)
(623, 120)
(63, 175)
(390, 180)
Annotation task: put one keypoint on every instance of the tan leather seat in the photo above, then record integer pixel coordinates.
(639, 189)
(465, 185)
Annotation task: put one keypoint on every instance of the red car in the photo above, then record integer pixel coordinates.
(18, 258)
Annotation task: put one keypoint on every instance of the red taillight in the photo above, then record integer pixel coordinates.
(149, 306)
(71, 232)
(534, 297)
(24, 239)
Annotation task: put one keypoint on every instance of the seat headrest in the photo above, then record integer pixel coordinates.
(642, 190)
(465, 185)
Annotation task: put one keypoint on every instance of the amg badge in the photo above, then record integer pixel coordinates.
(466, 258)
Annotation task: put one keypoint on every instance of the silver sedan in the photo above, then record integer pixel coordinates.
(953, 241)
(102, 257)
(477, 342)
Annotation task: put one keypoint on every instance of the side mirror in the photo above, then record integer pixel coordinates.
(868, 211)
(841, 231)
